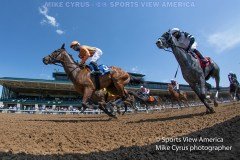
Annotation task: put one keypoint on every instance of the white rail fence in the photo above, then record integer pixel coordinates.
(97, 111)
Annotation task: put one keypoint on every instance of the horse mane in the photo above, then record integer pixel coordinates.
(70, 56)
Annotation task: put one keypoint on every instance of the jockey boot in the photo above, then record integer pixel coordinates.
(200, 56)
(95, 69)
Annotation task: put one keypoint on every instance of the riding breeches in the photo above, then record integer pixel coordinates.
(98, 53)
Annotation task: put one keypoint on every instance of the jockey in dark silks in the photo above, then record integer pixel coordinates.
(233, 78)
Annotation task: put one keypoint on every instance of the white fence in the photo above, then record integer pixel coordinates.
(98, 111)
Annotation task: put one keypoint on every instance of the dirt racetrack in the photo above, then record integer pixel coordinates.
(133, 136)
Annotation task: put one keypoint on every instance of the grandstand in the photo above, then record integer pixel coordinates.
(25, 93)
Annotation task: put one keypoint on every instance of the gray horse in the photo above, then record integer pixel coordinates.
(192, 71)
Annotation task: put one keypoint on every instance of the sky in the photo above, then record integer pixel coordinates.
(126, 32)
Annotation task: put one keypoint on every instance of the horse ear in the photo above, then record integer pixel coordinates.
(63, 46)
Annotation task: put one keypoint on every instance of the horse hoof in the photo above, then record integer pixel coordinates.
(210, 111)
(113, 116)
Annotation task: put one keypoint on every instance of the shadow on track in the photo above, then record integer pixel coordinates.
(169, 118)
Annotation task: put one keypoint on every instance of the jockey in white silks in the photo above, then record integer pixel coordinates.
(144, 90)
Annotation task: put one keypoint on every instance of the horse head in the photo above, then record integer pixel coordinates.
(165, 41)
(55, 57)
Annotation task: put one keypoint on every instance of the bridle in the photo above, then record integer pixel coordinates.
(54, 60)
(170, 44)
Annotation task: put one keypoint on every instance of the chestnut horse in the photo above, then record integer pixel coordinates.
(145, 100)
(179, 97)
(85, 83)
(111, 101)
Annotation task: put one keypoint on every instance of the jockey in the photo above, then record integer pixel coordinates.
(232, 78)
(144, 91)
(187, 42)
(175, 85)
(85, 52)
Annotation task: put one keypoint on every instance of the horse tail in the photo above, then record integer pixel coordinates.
(136, 80)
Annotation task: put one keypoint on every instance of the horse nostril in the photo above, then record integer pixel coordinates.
(157, 42)
(44, 61)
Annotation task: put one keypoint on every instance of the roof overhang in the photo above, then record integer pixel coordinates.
(39, 84)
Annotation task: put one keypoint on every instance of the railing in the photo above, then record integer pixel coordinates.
(42, 102)
(98, 111)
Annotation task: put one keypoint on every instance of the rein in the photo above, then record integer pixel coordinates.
(55, 61)
(172, 45)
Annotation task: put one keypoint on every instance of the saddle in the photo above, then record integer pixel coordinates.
(151, 99)
(104, 69)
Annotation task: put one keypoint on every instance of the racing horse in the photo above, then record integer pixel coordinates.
(146, 100)
(234, 91)
(85, 84)
(179, 97)
(115, 101)
(192, 70)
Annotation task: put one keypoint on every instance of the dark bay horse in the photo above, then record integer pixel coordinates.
(84, 82)
(191, 69)
(179, 97)
(234, 91)
(115, 101)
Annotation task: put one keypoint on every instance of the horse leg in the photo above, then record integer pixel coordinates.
(217, 81)
(133, 102)
(187, 103)
(118, 104)
(145, 103)
(111, 107)
(185, 100)
(234, 96)
(202, 96)
(172, 102)
(86, 96)
(237, 95)
(102, 106)
(179, 104)
(125, 108)
(130, 102)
